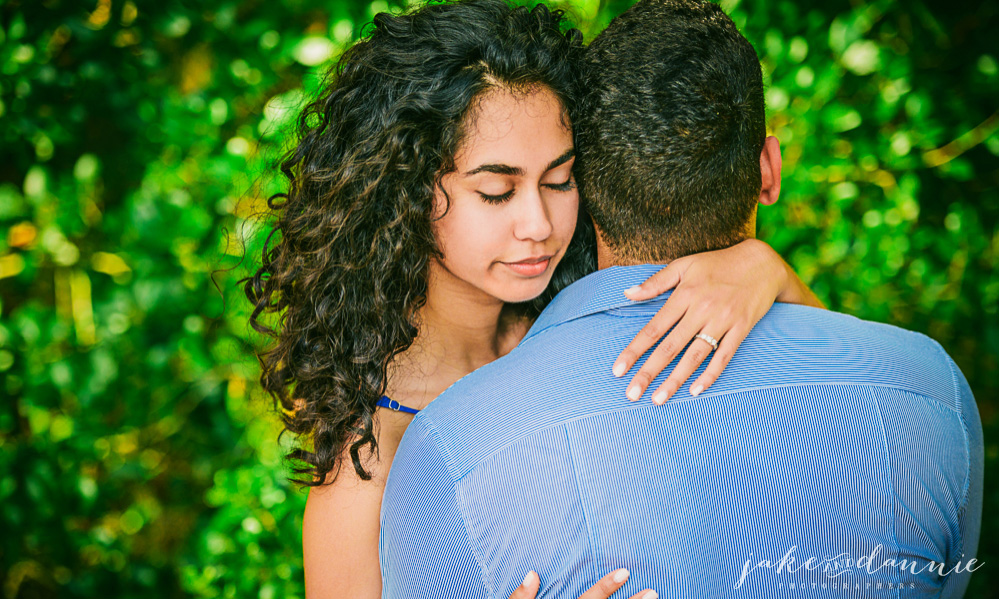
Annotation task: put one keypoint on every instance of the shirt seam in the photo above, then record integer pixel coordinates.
(449, 462)
(891, 486)
(967, 443)
(613, 313)
(957, 409)
(582, 505)
(705, 395)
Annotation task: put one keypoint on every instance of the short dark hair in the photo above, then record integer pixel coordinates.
(670, 136)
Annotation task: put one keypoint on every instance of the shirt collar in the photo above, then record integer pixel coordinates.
(596, 292)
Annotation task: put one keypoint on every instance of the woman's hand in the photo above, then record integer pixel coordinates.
(605, 587)
(721, 294)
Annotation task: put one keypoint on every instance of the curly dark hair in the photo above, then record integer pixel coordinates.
(349, 269)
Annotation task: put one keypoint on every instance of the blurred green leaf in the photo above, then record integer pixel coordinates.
(139, 455)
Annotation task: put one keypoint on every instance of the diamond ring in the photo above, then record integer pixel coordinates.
(708, 338)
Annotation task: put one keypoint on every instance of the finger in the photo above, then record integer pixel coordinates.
(607, 586)
(661, 282)
(696, 353)
(646, 594)
(664, 320)
(660, 358)
(719, 361)
(529, 588)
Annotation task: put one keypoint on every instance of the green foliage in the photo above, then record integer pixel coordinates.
(137, 455)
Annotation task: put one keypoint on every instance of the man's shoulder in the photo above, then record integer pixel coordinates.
(831, 344)
(532, 388)
(564, 372)
(474, 393)
(795, 319)
(830, 325)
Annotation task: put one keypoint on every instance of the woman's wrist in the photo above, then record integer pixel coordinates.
(795, 291)
(790, 288)
(772, 268)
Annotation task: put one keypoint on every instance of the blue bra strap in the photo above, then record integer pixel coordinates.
(392, 404)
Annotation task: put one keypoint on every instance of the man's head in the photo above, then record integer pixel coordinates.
(673, 152)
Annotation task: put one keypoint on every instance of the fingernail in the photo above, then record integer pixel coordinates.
(620, 369)
(621, 575)
(527, 579)
(696, 390)
(651, 595)
(634, 392)
(660, 397)
(634, 289)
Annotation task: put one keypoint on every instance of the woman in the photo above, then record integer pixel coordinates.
(431, 215)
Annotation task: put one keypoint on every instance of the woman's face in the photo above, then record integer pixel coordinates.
(514, 201)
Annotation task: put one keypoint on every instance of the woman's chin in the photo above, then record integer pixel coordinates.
(522, 291)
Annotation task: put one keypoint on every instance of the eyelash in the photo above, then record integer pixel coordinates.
(567, 186)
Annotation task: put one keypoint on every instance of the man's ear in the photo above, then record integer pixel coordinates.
(770, 169)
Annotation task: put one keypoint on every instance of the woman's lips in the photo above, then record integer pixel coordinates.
(531, 267)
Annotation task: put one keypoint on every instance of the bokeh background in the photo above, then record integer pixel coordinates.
(138, 457)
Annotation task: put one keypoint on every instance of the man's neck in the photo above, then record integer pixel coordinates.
(606, 256)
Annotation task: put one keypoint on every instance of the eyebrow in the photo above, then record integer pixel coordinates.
(505, 169)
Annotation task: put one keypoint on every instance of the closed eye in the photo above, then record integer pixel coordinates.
(496, 199)
(568, 185)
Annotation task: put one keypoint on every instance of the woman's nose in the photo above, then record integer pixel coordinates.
(531, 218)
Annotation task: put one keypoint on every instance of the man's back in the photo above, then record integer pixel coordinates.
(827, 437)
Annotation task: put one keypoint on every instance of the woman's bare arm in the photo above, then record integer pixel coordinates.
(340, 535)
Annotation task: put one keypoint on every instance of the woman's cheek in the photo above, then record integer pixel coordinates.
(464, 228)
(568, 215)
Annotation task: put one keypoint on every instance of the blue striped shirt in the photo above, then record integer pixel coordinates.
(828, 447)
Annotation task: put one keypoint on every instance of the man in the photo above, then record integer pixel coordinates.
(833, 456)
